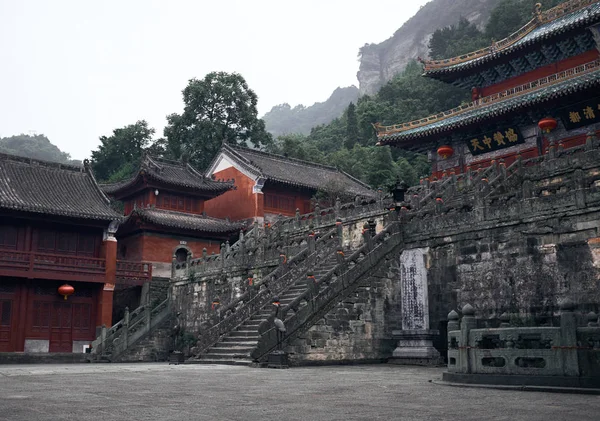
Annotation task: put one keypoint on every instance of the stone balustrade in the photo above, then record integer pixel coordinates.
(562, 355)
(265, 246)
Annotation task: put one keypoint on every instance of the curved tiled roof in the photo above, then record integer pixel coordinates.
(295, 172)
(185, 221)
(52, 189)
(494, 109)
(172, 173)
(576, 13)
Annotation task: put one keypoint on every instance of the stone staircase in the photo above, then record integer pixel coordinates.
(115, 343)
(235, 347)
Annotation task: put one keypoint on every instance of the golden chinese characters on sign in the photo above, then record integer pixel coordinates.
(494, 141)
(581, 114)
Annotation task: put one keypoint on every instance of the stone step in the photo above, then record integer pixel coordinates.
(222, 350)
(245, 334)
(238, 341)
(228, 361)
(226, 356)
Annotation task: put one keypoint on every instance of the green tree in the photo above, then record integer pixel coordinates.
(219, 108)
(455, 40)
(118, 155)
(351, 126)
(406, 172)
(296, 146)
(510, 15)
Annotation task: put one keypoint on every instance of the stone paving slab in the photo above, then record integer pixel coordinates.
(220, 393)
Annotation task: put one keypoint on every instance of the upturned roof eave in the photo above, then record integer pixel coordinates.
(488, 113)
(453, 70)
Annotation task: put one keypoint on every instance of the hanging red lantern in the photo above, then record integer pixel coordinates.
(66, 290)
(547, 124)
(445, 151)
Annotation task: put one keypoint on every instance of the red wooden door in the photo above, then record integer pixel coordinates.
(6, 317)
(61, 335)
(9, 298)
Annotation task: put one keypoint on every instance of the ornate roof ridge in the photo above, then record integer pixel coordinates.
(515, 91)
(186, 221)
(283, 158)
(540, 18)
(174, 212)
(43, 163)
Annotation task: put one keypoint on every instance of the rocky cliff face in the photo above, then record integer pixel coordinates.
(381, 62)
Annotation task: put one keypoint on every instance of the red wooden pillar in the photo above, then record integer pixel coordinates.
(105, 304)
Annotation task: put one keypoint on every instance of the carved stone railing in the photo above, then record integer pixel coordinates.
(558, 182)
(566, 355)
(133, 273)
(323, 218)
(534, 178)
(116, 340)
(319, 298)
(256, 297)
(284, 237)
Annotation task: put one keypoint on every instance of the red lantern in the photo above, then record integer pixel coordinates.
(445, 151)
(547, 124)
(66, 290)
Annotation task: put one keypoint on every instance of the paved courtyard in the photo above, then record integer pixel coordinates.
(217, 393)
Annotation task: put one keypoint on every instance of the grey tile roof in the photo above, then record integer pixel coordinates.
(52, 189)
(172, 173)
(184, 221)
(582, 17)
(295, 172)
(495, 109)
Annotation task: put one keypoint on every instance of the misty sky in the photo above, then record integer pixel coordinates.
(75, 70)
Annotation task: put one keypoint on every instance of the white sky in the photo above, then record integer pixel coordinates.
(77, 69)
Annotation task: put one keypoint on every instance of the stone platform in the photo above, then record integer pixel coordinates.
(106, 392)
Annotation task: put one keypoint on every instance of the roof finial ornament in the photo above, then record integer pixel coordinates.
(537, 12)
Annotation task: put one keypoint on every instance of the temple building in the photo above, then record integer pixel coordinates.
(164, 208)
(269, 185)
(58, 257)
(534, 92)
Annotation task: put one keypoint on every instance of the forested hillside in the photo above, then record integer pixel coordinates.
(37, 147)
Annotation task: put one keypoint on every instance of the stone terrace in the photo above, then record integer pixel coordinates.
(212, 392)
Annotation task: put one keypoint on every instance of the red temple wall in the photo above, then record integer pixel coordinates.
(542, 72)
(238, 204)
(168, 200)
(153, 247)
(282, 201)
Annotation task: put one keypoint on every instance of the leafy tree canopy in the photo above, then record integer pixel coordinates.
(219, 108)
(118, 155)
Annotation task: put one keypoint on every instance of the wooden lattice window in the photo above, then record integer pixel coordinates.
(8, 237)
(66, 243)
(46, 241)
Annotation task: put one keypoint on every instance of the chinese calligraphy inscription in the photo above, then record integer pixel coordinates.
(493, 141)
